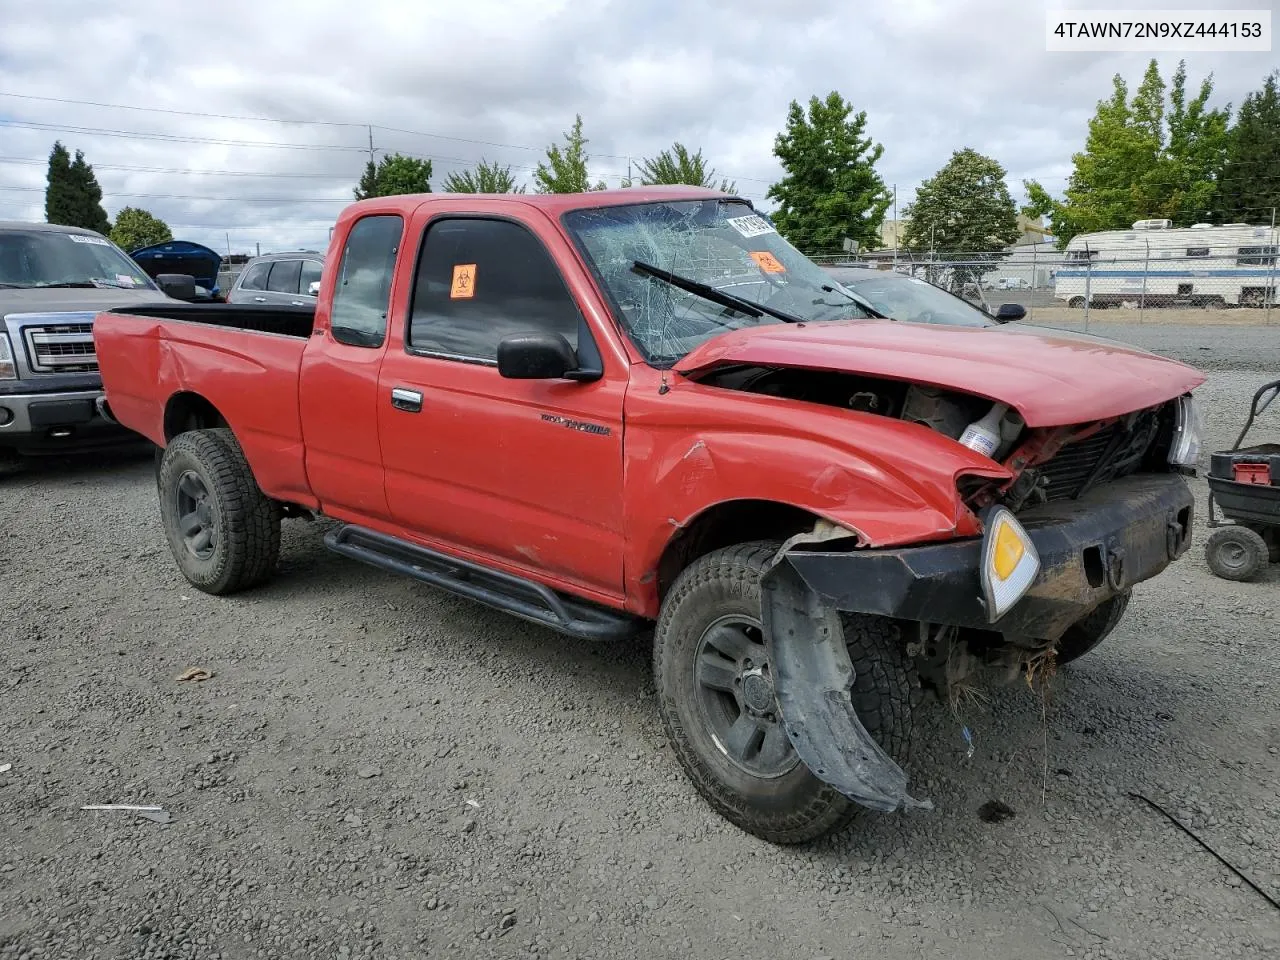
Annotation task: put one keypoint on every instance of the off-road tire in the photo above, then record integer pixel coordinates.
(247, 546)
(1271, 537)
(796, 807)
(1089, 631)
(1236, 553)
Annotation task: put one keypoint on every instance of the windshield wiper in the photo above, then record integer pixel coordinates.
(707, 292)
(78, 284)
(856, 300)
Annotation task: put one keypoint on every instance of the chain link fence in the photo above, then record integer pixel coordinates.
(1154, 279)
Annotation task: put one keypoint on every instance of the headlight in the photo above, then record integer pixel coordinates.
(1010, 563)
(1188, 428)
(8, 371)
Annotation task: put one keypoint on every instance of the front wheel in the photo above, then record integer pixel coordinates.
(715, 691)
(223, 531)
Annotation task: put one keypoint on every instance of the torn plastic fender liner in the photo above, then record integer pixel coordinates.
(812, 676)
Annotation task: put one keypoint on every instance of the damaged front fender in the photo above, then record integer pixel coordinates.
(812, 676)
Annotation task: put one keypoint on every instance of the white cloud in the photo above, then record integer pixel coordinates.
(501, 79)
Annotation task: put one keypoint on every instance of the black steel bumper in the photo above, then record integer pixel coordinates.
(1090, 550)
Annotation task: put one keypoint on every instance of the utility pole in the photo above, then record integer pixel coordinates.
(371, 143)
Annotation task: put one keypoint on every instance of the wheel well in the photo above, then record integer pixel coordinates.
(726, 524)
(190, 411)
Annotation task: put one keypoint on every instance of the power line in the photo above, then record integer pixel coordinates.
(43, 161)
(173, 138)
(177, 196)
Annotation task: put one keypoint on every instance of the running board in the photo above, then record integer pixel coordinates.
(515, 595)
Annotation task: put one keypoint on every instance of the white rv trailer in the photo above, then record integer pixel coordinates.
(1159, 266)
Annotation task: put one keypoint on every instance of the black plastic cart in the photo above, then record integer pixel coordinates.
(1244, 483)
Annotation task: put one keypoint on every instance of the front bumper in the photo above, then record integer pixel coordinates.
(1090, 550)
(71, 421)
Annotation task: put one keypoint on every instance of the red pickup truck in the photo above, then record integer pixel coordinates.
(643, 413)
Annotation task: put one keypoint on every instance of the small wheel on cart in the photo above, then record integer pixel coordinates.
(1236, 553)
(1271, 535)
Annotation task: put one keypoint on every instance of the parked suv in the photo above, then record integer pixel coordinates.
(291, 278)
(53, 279)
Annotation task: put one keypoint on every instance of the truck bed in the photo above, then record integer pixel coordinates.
(288, 321)
(244, 360)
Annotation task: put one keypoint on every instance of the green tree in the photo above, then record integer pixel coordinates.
(393, 175)
(565, 171)
(964, 208)
(73, 197)
(678, 165)
(1142, 159)
(1250, 187)
(135, 228)
(485, 178)
(830, 189)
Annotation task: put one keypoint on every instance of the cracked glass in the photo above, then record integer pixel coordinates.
(721, 243)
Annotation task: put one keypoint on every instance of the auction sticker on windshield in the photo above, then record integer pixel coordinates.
(752, 225)
(82, 238)
(767, 262)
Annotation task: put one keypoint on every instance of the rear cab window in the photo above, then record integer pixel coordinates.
(361, 295)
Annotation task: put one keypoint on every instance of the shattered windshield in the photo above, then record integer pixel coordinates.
(50, 258)
(716, 243)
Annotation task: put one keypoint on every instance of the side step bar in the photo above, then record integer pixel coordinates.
(515, 595)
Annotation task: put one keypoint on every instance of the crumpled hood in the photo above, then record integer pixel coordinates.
(1052, 378)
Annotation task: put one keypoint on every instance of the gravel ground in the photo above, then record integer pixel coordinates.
(376, 769)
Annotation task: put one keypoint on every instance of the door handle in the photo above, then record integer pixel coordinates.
(297, 303)
(260, 299)
(408, 400)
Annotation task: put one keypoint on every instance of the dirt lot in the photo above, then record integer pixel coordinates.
(376, 769)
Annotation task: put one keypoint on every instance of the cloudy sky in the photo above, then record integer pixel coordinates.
(285, 92)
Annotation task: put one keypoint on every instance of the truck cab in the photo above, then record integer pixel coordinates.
(53, 280)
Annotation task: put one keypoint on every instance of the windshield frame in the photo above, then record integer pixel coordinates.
(142, 280)
(618, 315)
(898, 275)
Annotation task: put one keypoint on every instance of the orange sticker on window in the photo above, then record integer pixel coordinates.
(464, 281)
(767, 262)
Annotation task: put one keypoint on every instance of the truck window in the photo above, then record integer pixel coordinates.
(481, 280)
(310, 275)
(360, 299)
(255, 277)
(284, 276)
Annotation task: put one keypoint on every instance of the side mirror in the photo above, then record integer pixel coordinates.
(536, 356)
(1008, 312)
(180, 286)
(313, 288)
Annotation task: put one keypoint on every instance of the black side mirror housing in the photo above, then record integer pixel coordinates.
(1008, 312)
(180, 286)
(536, 356)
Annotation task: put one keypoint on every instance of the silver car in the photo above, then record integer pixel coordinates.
(291, 278)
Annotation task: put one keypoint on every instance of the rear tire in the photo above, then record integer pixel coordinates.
(223, 531)
(1089, 631)
(1236, 553)
(707, 644)
(1271, 537)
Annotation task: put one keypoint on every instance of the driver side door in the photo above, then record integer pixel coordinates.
(526, 474)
